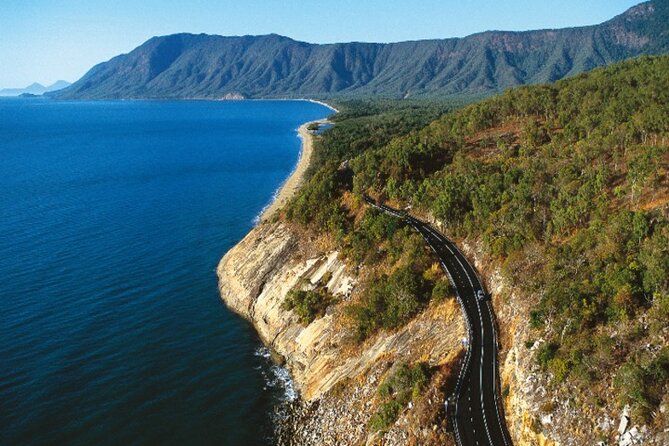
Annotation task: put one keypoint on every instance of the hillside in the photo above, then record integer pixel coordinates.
(560, 194)
(207, 66)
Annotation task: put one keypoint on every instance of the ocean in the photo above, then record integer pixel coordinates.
(113, 217)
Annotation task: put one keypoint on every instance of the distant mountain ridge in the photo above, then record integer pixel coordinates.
(207, 66)
(34, 89)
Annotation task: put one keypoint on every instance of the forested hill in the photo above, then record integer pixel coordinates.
(564, 189)
(207, 66)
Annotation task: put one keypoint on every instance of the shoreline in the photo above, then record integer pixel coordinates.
(324, 104)
(296, 178)
(179, 99)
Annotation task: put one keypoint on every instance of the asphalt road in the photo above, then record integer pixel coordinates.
(475, 408)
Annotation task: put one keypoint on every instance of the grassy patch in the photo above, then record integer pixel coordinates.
(403, 383)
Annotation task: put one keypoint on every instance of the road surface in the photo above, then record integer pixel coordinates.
(475, 408)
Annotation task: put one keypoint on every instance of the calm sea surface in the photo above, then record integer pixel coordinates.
(113, 216)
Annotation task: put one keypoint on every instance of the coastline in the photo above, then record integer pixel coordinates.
(324, 104)
(295, 180)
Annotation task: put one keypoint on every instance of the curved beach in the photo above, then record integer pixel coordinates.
(296, 178)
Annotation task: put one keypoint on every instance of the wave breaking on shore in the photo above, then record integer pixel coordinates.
(277, 377)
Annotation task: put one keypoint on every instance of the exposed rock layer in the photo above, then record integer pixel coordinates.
(336, 377)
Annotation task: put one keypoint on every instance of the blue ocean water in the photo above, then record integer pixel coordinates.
(113, 216)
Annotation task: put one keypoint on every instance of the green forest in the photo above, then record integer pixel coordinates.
(565, 186)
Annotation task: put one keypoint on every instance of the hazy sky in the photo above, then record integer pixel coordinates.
(47, 40)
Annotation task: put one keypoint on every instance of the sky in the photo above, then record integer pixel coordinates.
(47, 40)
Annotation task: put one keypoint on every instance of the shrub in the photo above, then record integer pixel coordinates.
(387, 414)
(560, 369)
(536, 319)
(659, 313)
(390, 301)
(307, 304)
(441, 289)
(405, 381)
(640, 383)
(326, 278)
(403, 384)
(546, 353)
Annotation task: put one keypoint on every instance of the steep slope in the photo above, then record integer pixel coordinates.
(205, 66)
(560, 194)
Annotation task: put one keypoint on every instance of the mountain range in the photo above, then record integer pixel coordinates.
(34, 89)
(270, 66)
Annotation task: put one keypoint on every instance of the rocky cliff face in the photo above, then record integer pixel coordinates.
(337, 378)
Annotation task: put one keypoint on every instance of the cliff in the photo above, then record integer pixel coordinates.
(337, 378)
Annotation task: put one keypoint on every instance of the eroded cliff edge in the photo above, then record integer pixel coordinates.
(337, 377)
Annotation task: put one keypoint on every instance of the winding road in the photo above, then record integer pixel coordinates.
(475, 409)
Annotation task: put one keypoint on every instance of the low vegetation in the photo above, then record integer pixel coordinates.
(402, 384)
(308, 304)
(411, 278)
